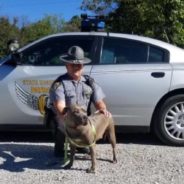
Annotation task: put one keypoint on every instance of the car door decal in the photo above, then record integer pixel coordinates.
(30, 99)
(26, 98)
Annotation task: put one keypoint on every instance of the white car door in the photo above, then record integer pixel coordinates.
(25, 87)
(134, 77)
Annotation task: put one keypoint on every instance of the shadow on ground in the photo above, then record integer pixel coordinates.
(18, 157)
(135, 138)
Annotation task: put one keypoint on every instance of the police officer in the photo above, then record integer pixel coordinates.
(72, 88)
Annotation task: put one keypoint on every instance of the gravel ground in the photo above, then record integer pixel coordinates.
(138, 162)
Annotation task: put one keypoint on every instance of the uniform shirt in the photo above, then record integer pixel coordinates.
(75, 92)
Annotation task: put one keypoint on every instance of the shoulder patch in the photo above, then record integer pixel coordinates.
(56, 85)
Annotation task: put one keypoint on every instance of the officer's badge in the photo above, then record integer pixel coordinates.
(56, 85)
(87, 91)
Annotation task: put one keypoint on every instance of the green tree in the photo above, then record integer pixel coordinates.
(73, 25)
(26, 32)
(48, 25)
(128, 17)
(8, 31)
(99, 6)
(166, 20)
(161, 19)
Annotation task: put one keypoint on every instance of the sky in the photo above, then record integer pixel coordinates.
(34, 10)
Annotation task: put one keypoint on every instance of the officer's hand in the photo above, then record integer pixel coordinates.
(105, 112)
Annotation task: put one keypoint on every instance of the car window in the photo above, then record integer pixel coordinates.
(47, 52)
(123, 51)
(156, 55)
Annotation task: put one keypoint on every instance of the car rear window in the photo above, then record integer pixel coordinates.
(123, 51)
(126, 51)
(156, 55)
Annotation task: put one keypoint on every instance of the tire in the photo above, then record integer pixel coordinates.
(169, 121)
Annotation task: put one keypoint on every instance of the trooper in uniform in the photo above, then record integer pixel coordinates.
(74, 88)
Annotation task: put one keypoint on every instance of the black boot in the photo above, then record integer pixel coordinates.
(59, 143)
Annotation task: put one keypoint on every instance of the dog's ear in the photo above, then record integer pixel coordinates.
(65, 110)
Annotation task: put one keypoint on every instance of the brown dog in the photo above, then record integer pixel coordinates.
(84, 131)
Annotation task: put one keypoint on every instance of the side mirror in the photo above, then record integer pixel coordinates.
(13, 45)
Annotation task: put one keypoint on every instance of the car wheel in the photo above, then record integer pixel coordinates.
(169, 124)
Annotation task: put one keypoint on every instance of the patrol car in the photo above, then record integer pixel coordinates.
(142, 78)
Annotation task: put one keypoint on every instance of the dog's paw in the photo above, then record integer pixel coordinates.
(90, 170)
(114, 160)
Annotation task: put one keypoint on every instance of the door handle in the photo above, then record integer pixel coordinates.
(157, 74)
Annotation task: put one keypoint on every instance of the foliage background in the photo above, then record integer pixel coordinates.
(161, 19)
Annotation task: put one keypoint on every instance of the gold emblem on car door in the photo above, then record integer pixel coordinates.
(34, 102)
